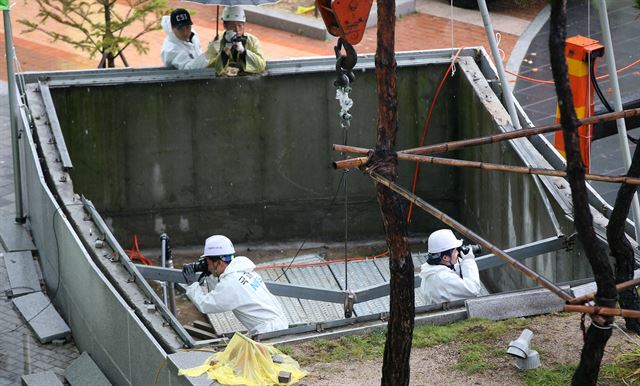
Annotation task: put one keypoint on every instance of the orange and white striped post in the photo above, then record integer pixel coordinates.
(580, 53)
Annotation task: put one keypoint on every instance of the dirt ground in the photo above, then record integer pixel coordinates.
(557, 338)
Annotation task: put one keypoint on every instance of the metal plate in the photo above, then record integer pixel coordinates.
(383, 266)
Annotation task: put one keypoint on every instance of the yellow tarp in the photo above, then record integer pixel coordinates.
(246, 362)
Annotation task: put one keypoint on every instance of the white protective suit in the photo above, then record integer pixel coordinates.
(179, 54)
(242, 291)
(442, 284)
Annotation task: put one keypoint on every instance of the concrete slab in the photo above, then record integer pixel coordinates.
(14, 236)
(23, 278)
(42, 317)
(187, 360)
(47, 378)
(84, 371)
(515, 304)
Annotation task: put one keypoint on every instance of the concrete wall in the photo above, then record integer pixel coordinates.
(102, 323)
(248, 157)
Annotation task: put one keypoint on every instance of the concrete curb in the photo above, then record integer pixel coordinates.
(521, 48)
(312, 27)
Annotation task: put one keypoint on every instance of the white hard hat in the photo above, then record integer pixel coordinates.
(218, 245)
(442, 240)
(233, 13)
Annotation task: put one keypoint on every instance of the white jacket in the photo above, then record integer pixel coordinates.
(178, 53)
(242, 291)
(441, 284)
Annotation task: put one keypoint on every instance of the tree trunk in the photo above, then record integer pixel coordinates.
(397, 350)
(620, 247)
(600, 329)
(108, 36)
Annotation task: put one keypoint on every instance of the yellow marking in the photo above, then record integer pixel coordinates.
(577, 67)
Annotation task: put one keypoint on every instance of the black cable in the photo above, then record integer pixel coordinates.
(55, 292)
(305, 240)
(594, 81)
(602, 98)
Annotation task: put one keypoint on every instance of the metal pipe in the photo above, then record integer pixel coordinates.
(172, 289)
(491, 37)
(163, 240)
(495, 138)
(617, 104)
(602, 311)
(539, 279)
(512, 169)
(13, 116)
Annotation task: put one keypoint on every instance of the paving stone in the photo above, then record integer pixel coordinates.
(84, 371)
(14, 236)
(21, 270)
(48, 378)
(42, 317)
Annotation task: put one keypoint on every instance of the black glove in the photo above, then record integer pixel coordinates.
(189, 273)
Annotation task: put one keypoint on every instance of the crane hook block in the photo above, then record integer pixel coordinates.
(346, 19)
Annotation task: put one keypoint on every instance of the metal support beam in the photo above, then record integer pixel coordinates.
(54, 124)
(522, 252)
(13, 116)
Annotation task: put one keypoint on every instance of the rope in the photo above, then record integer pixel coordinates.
(426, 126)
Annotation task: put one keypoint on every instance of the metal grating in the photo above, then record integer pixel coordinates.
(383, 266)
(362, 274)
(303, 311)
(319, 277)
(291, 306)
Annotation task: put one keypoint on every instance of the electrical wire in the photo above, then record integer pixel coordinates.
(333, 200)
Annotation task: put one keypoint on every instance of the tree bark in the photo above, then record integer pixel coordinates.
(600, 329)
(397, 350)
(620, 247)
(108, 36)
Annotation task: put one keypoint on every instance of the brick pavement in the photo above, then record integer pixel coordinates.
(418, 31)
(12, 328)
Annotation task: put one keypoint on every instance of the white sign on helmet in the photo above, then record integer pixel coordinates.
(218, 245)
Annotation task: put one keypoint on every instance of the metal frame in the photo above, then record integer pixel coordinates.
(137, 276)
(54, 125)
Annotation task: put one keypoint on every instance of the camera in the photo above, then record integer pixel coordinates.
(201, 266)
(475, 248)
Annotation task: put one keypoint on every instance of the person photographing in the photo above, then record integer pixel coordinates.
(240, 289)
(239, 52)
(451, 272)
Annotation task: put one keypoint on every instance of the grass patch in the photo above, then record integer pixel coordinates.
(473, 358)
(556, 376)
(626, 369)
(476, 334)
(471, 330)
